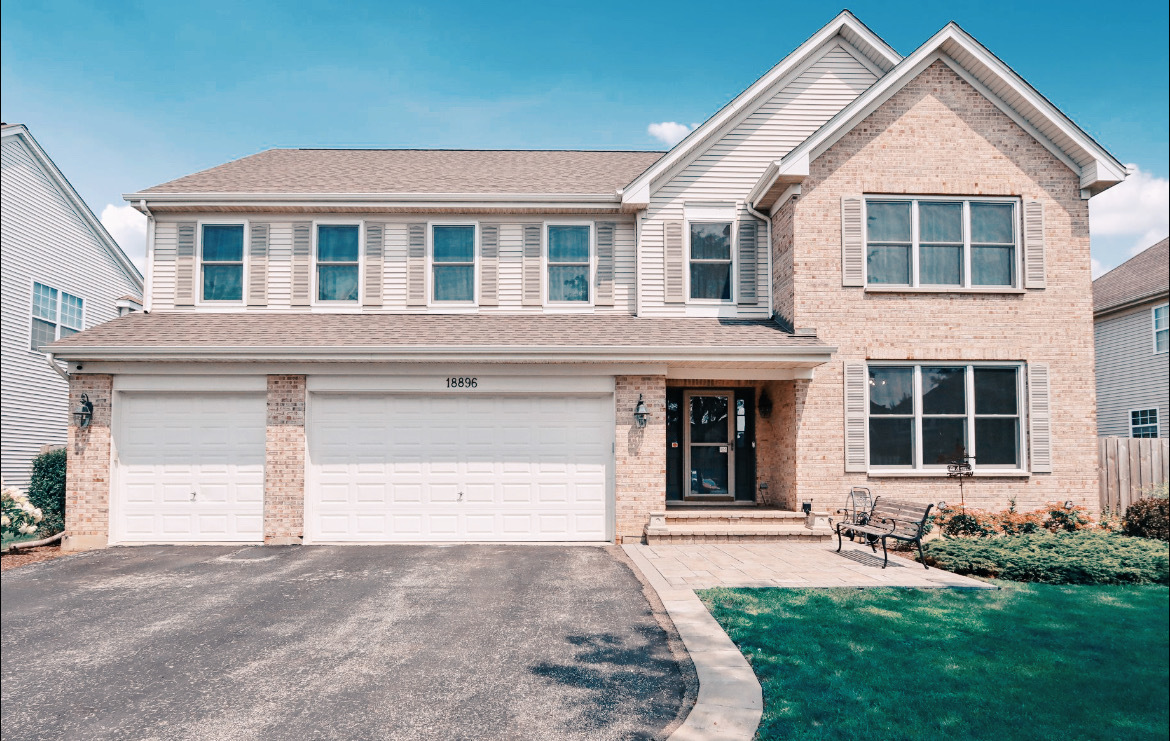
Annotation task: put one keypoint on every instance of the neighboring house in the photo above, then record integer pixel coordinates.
(1131, 318)
(62, 273)
(859, 267)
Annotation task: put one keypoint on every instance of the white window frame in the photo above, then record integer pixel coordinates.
(966, 285)
(936, 469)
(199, 224)
(32, 317)
(340, 304)
(732, 219)
(1157, 424)
(546, 263)
(1166, 329)
(431, 302)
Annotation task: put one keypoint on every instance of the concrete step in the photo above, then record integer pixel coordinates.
(736, 516)
(733, 533)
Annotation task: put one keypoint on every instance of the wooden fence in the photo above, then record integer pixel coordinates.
(1127, 466)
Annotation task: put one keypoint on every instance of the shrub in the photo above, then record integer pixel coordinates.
(1063, 518)
(19, 517)
(46, 490)
(1148, 518)
(1083, 557)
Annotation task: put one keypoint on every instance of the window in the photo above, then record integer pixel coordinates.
(55, 314)
(711, 260)
(924, 416)
(337, 262)
(1162, 328)
(453, 263)
(1143, 423)
(222, 262)
(940, 242)
(568, 263)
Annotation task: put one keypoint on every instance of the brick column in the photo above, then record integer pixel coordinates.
(284, 461)
(87, 477)
(639, 455)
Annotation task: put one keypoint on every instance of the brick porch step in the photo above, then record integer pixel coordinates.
(727, 525)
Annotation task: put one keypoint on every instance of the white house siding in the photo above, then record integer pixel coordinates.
(728, 168)
(1130, 375)
(46, 241)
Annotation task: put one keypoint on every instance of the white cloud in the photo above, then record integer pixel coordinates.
(1128, 218)
(669, 132)
(128, 228)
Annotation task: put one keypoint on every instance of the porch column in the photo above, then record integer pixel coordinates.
(639, 455)
(87, 468)
(284, 461)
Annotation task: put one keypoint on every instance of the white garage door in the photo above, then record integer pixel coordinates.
(464, 468)
(190, 468)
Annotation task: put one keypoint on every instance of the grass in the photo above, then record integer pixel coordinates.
(1029, 661)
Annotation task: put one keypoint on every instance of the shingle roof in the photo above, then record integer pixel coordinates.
(336, 171)
(1144, 275)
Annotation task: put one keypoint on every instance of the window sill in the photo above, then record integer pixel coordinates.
(944, 289)
(942, 474)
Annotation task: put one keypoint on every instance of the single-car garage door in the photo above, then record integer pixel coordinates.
(190, 467)
(389, 467)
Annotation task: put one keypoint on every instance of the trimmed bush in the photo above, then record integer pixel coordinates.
(1083, 557)
(1149, 518)
(46, 490)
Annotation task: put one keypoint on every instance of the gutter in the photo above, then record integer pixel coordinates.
(1130, 304)
(586, 201)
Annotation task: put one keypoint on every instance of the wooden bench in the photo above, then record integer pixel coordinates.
(890, 518)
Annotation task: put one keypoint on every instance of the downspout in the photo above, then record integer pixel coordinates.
(147, 288)
(768, 224)
(53, 364)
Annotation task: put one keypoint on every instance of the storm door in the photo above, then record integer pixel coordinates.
(709, 445)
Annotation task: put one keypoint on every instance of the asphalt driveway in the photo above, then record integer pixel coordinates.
(386, 642)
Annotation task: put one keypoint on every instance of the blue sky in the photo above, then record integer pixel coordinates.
(128, 95)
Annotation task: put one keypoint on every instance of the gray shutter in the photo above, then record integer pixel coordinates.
(603, 292)
(416, 265)
(489, 265)
(531, 265)
(673, 262)
(302, 249)
(749, 263)
(856, 441)
(1039, 418)
(185, 270)
(852, 242)
(258, 265)
(1034, 267)
(372, 292)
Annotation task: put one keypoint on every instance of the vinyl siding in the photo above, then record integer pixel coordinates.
(1129, 374)
(43, 240)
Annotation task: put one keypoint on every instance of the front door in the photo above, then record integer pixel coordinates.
(709, 453)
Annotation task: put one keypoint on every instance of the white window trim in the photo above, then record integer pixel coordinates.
(57, 323)
(966, 286)
(545, 263)
(1157, 420)
(199, 224)
(918, 469)
(732, 219)
(329, 304)
(1154, 327)
(455, 305)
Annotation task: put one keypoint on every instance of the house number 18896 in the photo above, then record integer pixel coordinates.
(462, 382)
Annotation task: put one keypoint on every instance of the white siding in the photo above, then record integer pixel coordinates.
(1129, 374)
(44, 240)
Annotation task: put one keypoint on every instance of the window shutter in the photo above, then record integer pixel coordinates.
(603, 292)
(258, 265)
(673, 262)
(749, 263)
(489, 265)
(856, 439)
(531, 265)
(1034, 267)
(1039, 418)
(185, 272)
(372, 291)
(416, 265)
(852, 242)
(301, 258)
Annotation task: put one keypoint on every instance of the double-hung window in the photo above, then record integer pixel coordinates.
(337, 262)
(222, 262)
(1161, 328)
(55, 314)
(710, 260)
(923, 416)
(941, 242)
(1143, 423)
(453, 263)
(568, 263)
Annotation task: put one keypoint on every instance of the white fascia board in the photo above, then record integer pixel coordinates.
(789, 172)
(461, 201)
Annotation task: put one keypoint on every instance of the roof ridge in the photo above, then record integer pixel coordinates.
(458, 149)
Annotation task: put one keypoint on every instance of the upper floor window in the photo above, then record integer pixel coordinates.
(961, 243)
(337, 262)
(710, 258)
(453, 263)
(222, 262)
(55, 314)
(1162, 328)
(568, 263)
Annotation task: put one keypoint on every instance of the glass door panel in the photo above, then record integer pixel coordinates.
(710, 446)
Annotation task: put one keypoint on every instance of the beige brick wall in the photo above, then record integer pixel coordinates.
(639, 455)
(284, 469)
(87, 477)
(939, 136)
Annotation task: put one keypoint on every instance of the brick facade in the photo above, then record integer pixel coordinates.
(639, 455)
(87, 480)
(284, 468)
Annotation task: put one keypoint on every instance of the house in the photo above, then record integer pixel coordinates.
(1131, 324)
(63, 273)
(862, 266)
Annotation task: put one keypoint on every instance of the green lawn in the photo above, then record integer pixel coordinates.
(1030, 661)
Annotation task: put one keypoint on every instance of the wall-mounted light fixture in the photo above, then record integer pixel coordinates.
(84, 412)
(765, 404)
(806, 506)
(641, 413)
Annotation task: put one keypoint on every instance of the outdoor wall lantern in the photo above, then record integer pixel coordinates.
(765, 404)
(806, 506)
(641, 413)
(84, 412)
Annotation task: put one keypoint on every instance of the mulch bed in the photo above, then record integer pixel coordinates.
(25, 556)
